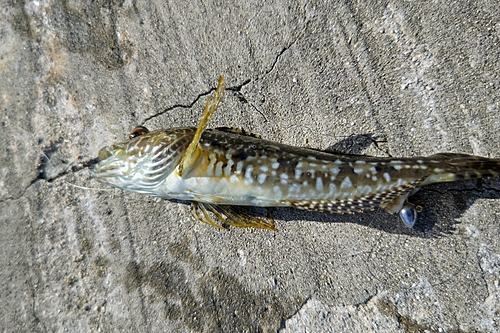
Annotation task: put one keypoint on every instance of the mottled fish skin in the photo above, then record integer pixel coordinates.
(234, 169)
(219, 169)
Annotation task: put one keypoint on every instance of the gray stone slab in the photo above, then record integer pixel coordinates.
(385, 79)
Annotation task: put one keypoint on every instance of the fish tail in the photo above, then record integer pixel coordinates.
(449, 167)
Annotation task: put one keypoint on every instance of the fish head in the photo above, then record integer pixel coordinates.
(143, 161)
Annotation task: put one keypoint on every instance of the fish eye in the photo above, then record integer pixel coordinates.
(138, 131)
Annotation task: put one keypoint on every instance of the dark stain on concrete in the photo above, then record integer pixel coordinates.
(100, 266)
(218, 303)
(181, 252)
(91, 28)
(81, 27)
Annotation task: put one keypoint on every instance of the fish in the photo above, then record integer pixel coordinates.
(224, 171)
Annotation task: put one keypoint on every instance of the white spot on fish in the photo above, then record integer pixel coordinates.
(210, 167)
(319, 184)
(373, 170)
(277, 191)
(227, 169)
(374, 178)
(294, 188)
(397, 167)
(218, 169)
(360, 162)
(223, 181)
(248, 172)
(239, 166)
(298, 173)
(357, 170)
(284, 178)
(387, 177)
(232, 179)
(333, 188)
(261, 178)
(346, 183)
(364, 189)
(264, 168)
(334, 170)
(275, 165)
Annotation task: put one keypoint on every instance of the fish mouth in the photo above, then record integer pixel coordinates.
(101, 164)
(103, 154)
(92, 163)
(109, 162)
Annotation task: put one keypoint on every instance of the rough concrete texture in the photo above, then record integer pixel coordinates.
(391, 79)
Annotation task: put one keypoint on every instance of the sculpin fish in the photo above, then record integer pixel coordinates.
(223, 169)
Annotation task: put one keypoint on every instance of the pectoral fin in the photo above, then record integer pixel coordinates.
(192, 151)
(235, 216)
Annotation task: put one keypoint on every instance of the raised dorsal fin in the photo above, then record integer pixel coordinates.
(193, 150)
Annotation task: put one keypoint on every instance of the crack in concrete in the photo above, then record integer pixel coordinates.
(484, 273)
(185, 106)
(236, 89)
(70, 170)
(13, 198)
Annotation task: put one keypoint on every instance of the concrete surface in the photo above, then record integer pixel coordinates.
(392, 79)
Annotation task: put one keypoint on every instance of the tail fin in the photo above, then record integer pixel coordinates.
(449, 167)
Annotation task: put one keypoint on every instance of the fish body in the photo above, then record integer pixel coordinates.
(222, 169)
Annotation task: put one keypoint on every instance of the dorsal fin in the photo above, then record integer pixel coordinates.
(192, 150)
(238, 130)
